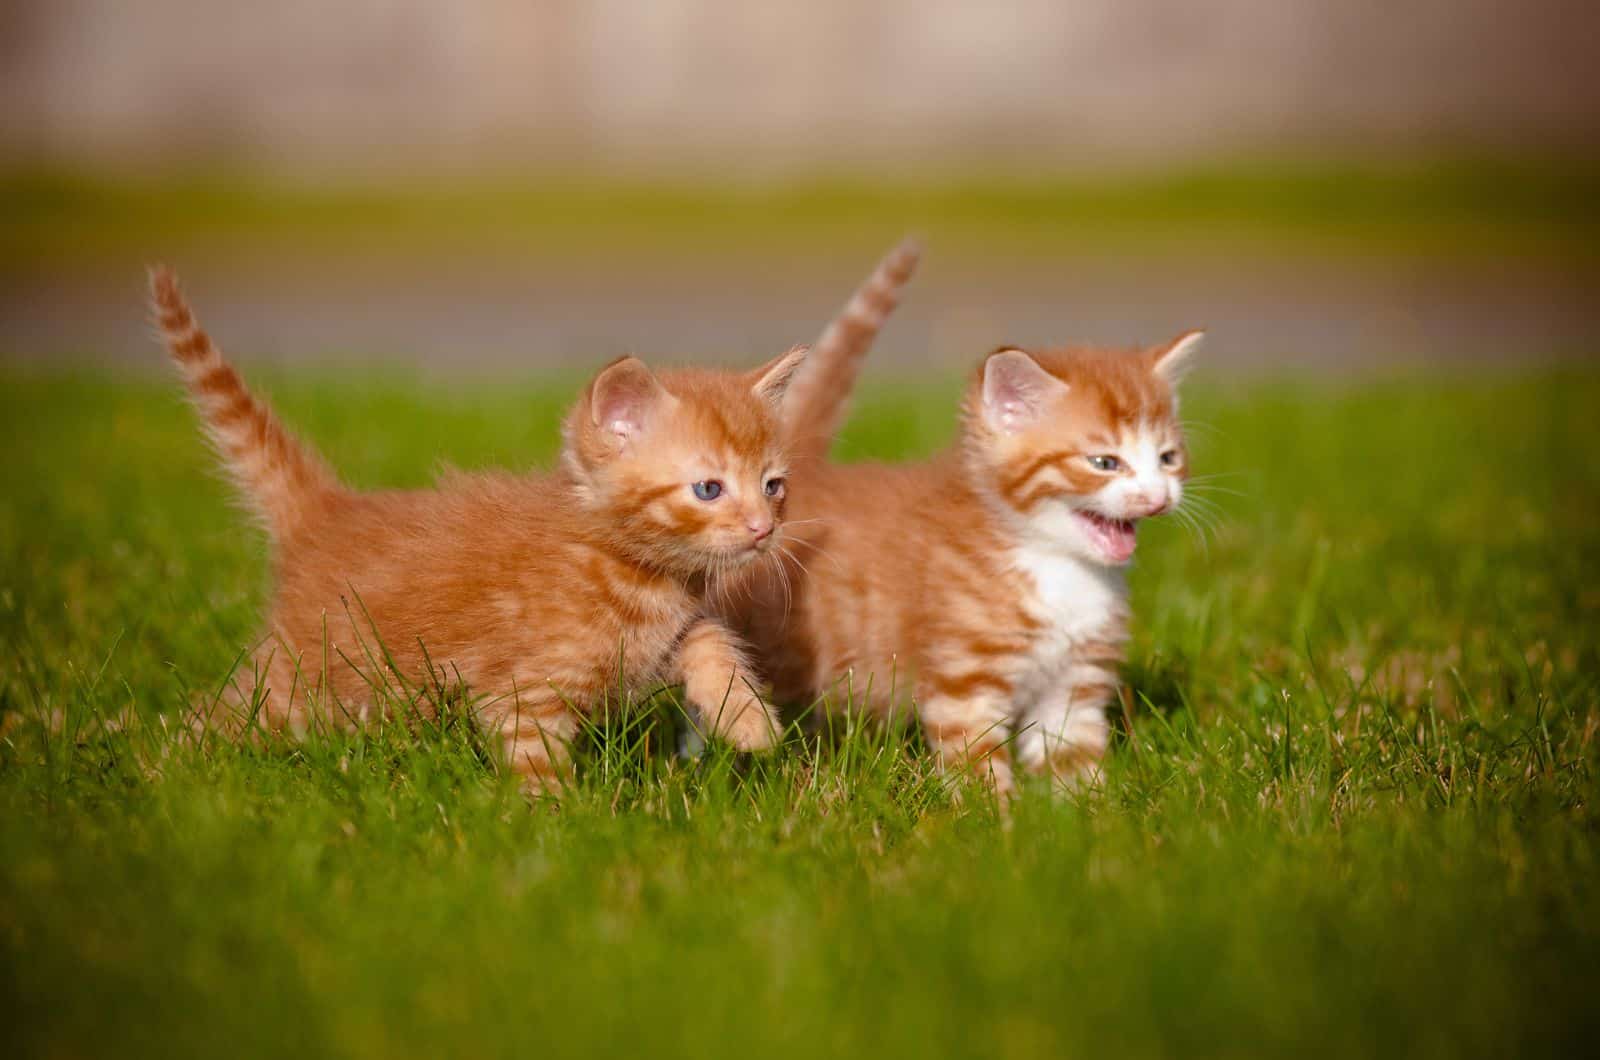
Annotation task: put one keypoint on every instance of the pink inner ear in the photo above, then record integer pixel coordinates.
(623, 397)
(1015, 388)
(618, 412)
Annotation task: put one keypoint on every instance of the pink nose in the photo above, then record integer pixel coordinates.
(1145, 505)
(761, 529)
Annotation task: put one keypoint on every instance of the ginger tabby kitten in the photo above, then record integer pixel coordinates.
(542, 594)
(984, 585)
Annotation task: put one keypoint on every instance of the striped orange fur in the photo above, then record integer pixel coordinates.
(542, 596)
(281, 480)
(817, 399)
(984, 588)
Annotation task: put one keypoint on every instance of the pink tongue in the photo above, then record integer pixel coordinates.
(1118, 538)
(1122, 540)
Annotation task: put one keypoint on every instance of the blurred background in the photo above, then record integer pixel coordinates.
(1327, 185)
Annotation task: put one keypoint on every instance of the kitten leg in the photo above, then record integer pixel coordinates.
(1065, 735)
(537, 735)
(972, 733)
(720, 685)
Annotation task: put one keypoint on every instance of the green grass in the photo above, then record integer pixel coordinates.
(1355, 813)
(1475, 209)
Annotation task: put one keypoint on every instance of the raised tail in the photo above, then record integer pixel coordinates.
(283, 481)
(815, 403)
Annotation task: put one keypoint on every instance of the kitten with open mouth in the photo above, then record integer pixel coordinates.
(985, 587)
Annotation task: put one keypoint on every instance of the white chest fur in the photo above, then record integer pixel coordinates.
(1076, 603)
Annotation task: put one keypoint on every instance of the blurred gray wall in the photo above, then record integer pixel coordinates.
(752, 86)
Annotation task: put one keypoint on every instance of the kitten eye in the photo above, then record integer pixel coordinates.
(1104, 463)
(709, 490)
(1169, 458)
(774, 487)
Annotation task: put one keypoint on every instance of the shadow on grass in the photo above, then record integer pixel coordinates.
(1156, 684)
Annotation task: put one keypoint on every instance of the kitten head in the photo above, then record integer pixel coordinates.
(1080, 444)
(685, 468)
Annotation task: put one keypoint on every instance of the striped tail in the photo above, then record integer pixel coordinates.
(283, 481)
(815, 403)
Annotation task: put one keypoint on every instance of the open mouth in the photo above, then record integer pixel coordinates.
(1115, 538)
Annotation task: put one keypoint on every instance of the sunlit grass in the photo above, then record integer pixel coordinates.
(1353, 812)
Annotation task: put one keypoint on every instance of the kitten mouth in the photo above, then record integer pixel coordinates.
(1115, 538)
(738, 557)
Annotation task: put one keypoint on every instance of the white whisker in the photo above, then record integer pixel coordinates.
(824, 553)
(782, 553)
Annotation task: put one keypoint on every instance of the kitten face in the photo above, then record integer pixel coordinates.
(1080, 445)
(686, 466)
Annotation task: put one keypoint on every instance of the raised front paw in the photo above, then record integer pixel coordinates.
(746, 722)
(721, 689)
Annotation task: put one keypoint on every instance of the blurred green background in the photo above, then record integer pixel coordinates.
(1328, 187)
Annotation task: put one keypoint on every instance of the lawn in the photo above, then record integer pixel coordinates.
(1354, 811)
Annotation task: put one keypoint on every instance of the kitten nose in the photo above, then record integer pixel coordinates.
(1148, 504)
(761, 529)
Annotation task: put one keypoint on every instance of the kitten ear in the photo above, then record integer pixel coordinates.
(1015, 389)
(624, 397)
(772, 379)
(1171, 362)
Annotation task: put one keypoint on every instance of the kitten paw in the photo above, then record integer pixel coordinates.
(748, 724)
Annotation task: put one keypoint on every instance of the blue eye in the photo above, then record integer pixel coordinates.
(1104, 463)
(774, 487)
(709, 490)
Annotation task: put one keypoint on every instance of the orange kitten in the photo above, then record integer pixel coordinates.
(543, 594)
(985, 585)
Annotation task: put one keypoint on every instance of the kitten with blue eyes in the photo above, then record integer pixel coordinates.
(536, 596)
(984, 588)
